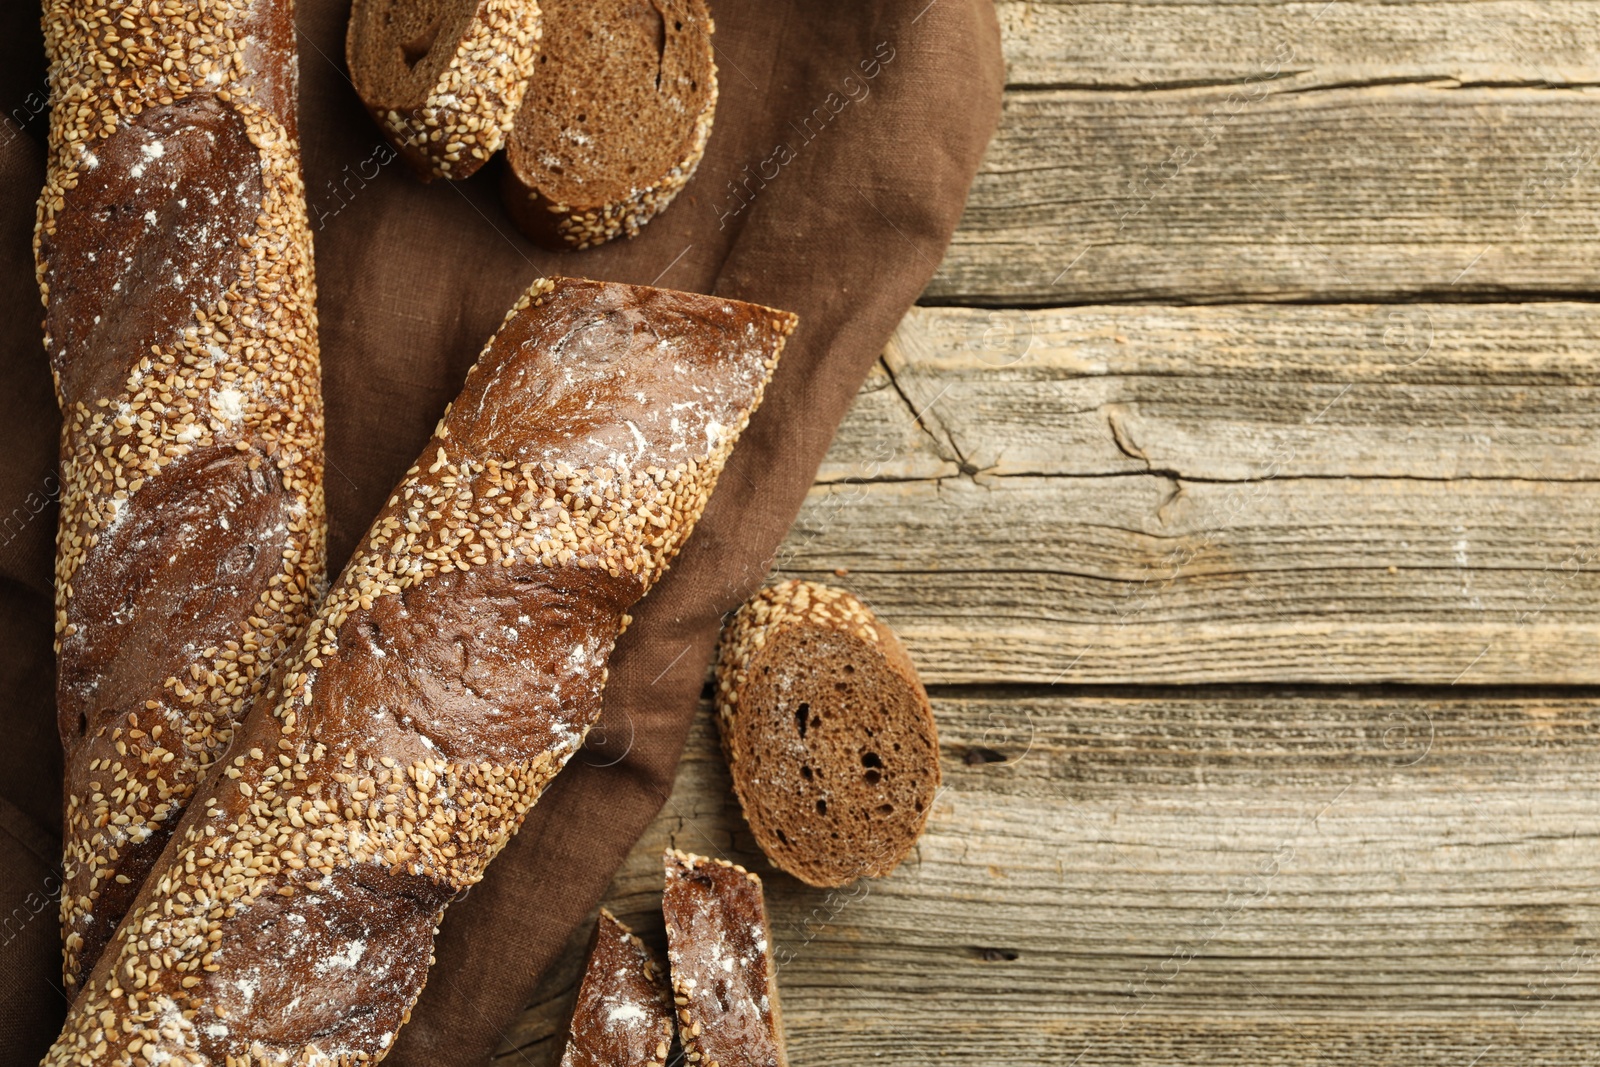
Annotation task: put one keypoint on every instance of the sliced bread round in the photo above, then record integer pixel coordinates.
(443, 78)
(827, 731)
(615, 119)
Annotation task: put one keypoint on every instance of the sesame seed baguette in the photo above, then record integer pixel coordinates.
(623, 1017)
(443, 79)
(719, 946)
(615, 120)
(452, 670)
(174, 262)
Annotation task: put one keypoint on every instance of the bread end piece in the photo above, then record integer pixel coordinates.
(615, 121)
(724, 982)
(828, 733)
(443, 79)
(623, 1017)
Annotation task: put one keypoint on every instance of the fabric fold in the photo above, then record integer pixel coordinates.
(846, 138)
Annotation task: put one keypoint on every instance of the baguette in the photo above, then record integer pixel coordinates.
(828, 733)
(174, 262)
(615, 120)
(623, 1017)
(719, 945)
(450, 673)
(443, 78)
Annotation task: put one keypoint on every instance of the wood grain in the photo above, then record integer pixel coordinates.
(1162, 44)
(1252, 493)
(1166, 875)
(1426, 391)
(1259, 192)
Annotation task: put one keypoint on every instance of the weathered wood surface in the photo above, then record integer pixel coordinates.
(1255, 493)
(1351, 150)
(1259, 192)
(1152, 44)
(1216, 151)
(1177, 876)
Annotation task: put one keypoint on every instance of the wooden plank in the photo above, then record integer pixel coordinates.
(1162, 43)
(1256, 193)
(1256, 493)
(1162, 876)
(1231, 393)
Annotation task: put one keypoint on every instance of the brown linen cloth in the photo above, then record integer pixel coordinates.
(846, 137)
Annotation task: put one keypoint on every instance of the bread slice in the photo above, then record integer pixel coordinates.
(615, 119)
(827, 731)
(624, 1012)
(443, 78)
(723, 980)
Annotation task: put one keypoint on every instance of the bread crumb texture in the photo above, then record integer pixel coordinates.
(617, 115)
(828, 733)
(467, 108)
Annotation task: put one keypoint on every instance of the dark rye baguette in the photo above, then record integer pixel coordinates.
(827, 731)
(174, 261)
(615, 120)
(451, 671)
(623, 1017)
(443, 78)
(719, 945)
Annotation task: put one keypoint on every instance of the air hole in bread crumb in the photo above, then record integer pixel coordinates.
(805, 772)
(782, 836)
(822, 807)
(870, 759)
(83, 724)
(802, 718)
(885, 809)
(872, 777)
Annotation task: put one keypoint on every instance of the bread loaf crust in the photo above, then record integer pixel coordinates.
(449, 674)
(623, 1017)
(174, 262)
(463, 117)
(562, 222)
(719, 945)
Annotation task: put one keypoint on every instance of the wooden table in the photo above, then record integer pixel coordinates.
(1234, 489)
